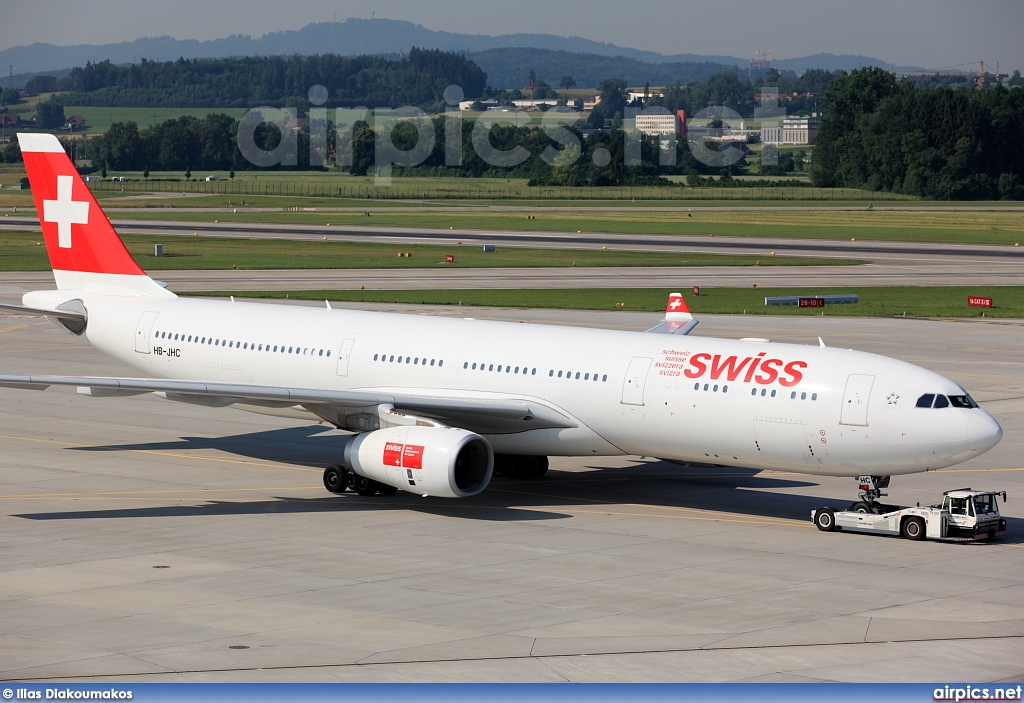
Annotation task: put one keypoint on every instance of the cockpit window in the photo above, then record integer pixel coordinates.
(962, 401)
(985, 504)
(941, 402)
(926, 400)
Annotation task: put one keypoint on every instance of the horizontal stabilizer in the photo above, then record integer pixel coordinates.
(59, 314)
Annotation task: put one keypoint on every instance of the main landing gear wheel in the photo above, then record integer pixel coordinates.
(364, 486)
(336, 478)
(825, 519)
(913, 528)
(520, 466)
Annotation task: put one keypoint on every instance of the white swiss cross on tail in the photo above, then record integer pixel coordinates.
(65, 212)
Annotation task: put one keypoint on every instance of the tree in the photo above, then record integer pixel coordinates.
(41, 84)
(231, 174)
(10, 96)
(1015, 79)
(103, 170)
(568, 82)
(50, 115)
(613, 101)
(363, 149)
(145, 174)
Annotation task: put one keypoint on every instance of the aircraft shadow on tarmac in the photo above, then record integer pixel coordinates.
(642, 485)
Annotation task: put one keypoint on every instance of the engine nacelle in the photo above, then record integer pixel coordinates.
(437, 461)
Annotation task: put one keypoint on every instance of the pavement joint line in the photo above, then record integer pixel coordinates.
(403, 662)
(595, 502)
(154, 452)
(100, 494)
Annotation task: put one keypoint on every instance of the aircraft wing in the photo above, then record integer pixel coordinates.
(475, 414)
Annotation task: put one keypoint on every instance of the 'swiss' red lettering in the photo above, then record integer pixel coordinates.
(795, 376)
(729, 365)
(753, 368)
(732, 367)
(697, 365)
(393, 454)
(768, 371)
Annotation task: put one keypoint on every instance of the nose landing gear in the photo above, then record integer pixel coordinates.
(871, 490)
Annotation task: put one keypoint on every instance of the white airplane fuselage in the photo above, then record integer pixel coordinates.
(815, 410)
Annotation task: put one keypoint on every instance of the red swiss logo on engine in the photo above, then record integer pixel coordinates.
(406, 456)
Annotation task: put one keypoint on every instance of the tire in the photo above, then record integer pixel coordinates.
(860, 507)
(825, 520)
(364, 486)
(913, 528)
(335, 479)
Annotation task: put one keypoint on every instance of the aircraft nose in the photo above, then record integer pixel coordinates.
(983, 432)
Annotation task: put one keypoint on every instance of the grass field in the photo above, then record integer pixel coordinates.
(99, 119)
(23, 251)
(941, 302)
(986, 227)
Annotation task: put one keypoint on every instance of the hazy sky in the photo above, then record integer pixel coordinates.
(928, 33)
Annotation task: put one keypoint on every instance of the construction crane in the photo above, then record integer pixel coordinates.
(763, 59)
(981, 77)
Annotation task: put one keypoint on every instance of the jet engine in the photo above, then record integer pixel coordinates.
(437, 461)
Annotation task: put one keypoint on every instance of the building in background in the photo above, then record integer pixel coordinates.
(662, 124)
(794, 130)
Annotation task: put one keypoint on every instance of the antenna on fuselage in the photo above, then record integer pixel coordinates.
(821, 342)
(328, 304)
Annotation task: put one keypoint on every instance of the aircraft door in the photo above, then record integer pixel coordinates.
(143, 345)
(855, 400)
(635, 381)
(344, 355)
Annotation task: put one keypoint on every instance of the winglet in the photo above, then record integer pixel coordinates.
(678, 319)
(676, 308)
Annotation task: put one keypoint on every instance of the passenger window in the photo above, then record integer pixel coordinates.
(559, 374)
(441, 362)
(586, 377)
(328, 352)
(577, 375)
(814, 396)
(753, 391)
(491, 367)
(763, 392)
(499, 368)
(926, 400)
(551, 372)
(534, 372)
(941, 402)
(321, 352)
(431, 362)
(715, 389)
(705, 386)
(725, 389)
(605, 377)
(773, 394)
(374, 356)
(803, 396)
(517, 370)
(474, 366)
